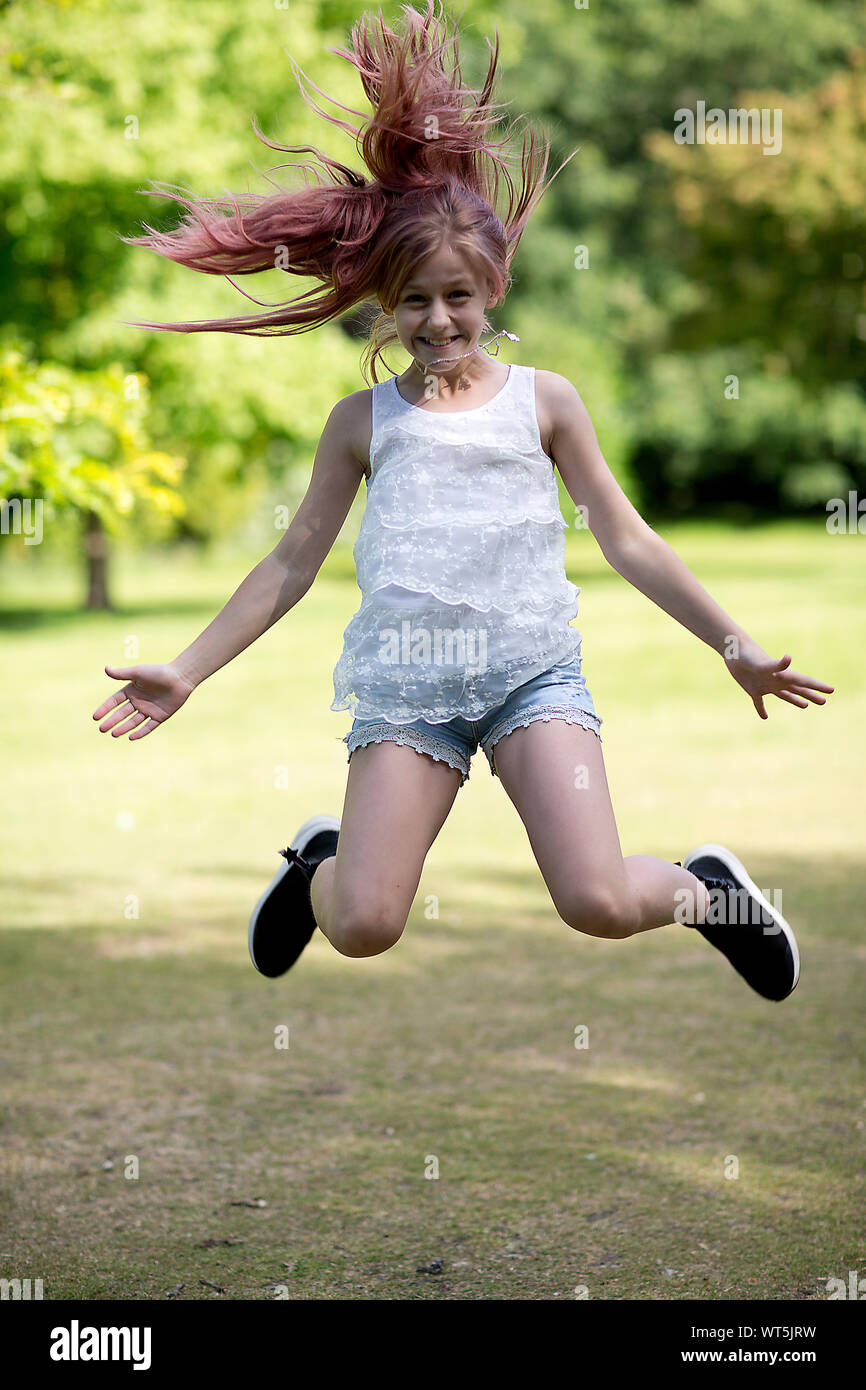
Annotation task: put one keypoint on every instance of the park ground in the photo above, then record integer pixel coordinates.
(706, 1145)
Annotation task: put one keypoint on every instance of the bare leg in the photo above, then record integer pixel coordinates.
(396, 802)
(662, 888)
(554, 773)
(322, 888)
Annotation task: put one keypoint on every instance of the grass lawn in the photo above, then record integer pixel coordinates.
(136, 1027)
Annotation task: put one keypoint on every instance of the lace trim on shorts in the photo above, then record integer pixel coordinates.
(585, 718)
(422, 742)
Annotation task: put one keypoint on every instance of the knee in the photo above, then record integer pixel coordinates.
(599, 913)
(364, 933)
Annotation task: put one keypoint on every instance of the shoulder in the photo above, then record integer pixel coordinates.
(354, 415)
(556, 400)
(555, 392)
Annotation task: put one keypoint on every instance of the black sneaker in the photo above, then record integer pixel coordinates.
(283, 922)
(743, 925)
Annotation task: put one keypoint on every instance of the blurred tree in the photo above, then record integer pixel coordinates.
(778, 242)
(98, 107)
(619, 269)
(75, 446)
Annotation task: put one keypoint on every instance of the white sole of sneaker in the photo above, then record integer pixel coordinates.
(737, 868)
(309, 828)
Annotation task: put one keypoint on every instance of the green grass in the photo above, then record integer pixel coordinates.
(151, 1035)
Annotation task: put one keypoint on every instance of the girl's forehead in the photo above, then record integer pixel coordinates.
(437, 270)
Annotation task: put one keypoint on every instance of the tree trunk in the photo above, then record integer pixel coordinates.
(96, 550)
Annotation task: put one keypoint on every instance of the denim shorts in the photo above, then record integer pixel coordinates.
(557, 693)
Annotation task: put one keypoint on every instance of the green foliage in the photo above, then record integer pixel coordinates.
(701, 260)
(95, 112)
(777, 241)
(719, 428)
(78, 440)
(705, 258)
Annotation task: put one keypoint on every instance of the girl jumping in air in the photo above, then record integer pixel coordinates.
(463, 636)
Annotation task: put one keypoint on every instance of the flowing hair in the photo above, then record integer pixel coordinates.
(435, 176)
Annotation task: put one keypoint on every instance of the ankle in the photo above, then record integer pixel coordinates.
(702, 900)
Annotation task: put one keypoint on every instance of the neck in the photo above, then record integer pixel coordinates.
(425, 368)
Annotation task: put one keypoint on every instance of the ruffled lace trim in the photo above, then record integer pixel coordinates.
(433, 696)
(566, 600)
(422, 742)
(519, 720)
(493, 566)
(463, 516)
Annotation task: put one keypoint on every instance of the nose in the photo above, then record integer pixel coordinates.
(439, 327)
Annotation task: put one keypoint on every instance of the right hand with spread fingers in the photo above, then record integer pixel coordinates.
(151, 695)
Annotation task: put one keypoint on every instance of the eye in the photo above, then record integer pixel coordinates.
(461, 294)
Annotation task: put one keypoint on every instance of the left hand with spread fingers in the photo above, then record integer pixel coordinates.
(761, 674)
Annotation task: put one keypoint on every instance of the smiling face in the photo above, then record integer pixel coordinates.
(440, 311)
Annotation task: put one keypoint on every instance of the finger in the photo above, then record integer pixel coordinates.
(807, 694)
(131, 722)
(759, 705)
(783, 661)
(123, 712)
(121, 673)
(799, 679)
(791, 699)
(145, 729)
(118, 698)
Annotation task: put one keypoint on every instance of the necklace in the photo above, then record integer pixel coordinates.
(424, 367)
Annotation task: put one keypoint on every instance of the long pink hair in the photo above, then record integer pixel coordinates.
(435, 176)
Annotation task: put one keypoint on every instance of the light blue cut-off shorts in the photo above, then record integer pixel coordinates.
(559, 693)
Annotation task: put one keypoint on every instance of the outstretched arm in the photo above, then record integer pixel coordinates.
(641, 556)
(281, 579)
(152, 694)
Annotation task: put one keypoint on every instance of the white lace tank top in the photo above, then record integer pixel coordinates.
(460, 559)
